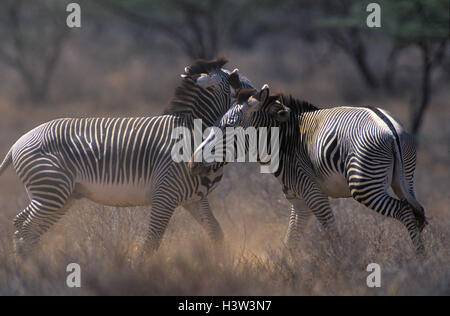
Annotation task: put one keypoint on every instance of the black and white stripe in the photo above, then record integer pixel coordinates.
(123, 161)
(338, 152)
(348, 151)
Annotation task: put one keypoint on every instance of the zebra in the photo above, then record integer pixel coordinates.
(339, 152)
(123, 161)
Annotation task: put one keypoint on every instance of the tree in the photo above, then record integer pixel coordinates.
(198, 27)
(32, 35)
(423, 24)
(342, 24)
(407, 23)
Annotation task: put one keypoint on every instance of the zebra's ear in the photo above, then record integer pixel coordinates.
(186, 72)
(234, 81)
(263, 94)
(256, 101)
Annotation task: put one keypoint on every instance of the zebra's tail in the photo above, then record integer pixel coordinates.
(418, 210)
(6, 162)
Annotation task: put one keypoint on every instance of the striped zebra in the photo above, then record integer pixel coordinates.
(340, 152)
(123, 161)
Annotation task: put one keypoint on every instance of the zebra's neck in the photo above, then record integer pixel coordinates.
(198, 103)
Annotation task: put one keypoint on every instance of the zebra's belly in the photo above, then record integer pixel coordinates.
(335, 186)
(115, 194)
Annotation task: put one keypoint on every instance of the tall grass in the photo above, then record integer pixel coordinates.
(106, 243)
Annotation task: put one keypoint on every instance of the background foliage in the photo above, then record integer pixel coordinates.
(126, 59)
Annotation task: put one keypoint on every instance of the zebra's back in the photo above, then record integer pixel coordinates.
(110, 160)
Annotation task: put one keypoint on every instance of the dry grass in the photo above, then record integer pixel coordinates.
(106, 243)
(250, 206)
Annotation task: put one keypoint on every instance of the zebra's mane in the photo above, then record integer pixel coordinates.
(296, 105)
(289, 135)
(185, 94)
(204, 66)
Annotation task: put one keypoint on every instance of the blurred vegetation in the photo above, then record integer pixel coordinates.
(33, 35)
(199, 27)
(126, 59)
(424, 24)
(32, 41)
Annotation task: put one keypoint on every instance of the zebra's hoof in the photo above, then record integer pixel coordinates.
(421, 224)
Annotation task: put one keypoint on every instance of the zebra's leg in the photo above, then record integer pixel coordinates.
(319, 205)
(163, 207)
(49, 192)
(40, 217)
(19, 220)
(300, 216)
(380, 201)
(18, 242)
(202, 213)
(407, 217)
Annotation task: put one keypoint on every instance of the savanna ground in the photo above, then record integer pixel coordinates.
(250, 206)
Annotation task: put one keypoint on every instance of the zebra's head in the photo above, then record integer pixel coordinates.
(212, 75)
(215, 79)
(252, 109)
(255, 108)
(207, 90)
